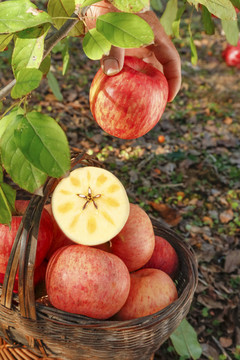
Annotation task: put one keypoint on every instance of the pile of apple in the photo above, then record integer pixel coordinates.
(103, 259)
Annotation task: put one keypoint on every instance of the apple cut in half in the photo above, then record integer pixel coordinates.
(90, 206)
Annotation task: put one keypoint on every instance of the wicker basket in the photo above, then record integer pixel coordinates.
(32, 327)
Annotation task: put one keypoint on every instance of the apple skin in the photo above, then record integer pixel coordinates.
(87, 281)
(135, 242)
(231, 55)
(7, 235)
(39, 275)
(151, 290)
(59, 238)
(164, 257)
(130, 103)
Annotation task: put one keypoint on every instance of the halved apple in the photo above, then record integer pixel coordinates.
(90, 206)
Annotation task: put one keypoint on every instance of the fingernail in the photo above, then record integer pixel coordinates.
(110, 66)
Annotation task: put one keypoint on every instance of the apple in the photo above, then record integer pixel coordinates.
(90, 205)
(231, 55)
(59, 238)
(164, 257)
(39, 276)
(151, 290)
(134, 244)
(130, 103)
(87, 281)
(7, 235)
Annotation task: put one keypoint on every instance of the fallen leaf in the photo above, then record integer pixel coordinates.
(209, 302)
(226, 216)
(208, 220)
(210, 351)
(228, 120)
(170, 215)
(232, 261)
(225, 342)
(50, 97)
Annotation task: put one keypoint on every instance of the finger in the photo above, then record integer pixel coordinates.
(146, 55)
(166, 53)
(112, 64)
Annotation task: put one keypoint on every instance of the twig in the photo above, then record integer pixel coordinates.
(50, 43)
(221, 348)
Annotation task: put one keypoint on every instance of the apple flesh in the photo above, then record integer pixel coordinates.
(90, 205)
(87, 281)
(130, 103)
(135, 243)
(164, 257)
(151, 290)
(7, 235)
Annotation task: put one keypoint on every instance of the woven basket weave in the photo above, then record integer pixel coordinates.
(44, 331)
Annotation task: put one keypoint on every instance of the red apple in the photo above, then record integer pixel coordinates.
(231, 55)
(129, 104)
(59, 238)
(87, 281)
(39, 275)
(7, 235)
(164, 257)
(135, 242)
(151, 290)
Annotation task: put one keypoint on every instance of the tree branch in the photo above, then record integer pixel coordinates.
(49, 45)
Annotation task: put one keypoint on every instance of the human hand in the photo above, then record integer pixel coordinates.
(162, 54)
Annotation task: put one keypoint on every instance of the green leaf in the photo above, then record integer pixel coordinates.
(5, 122)
(84, 3)
(236, 3)
(61, 11)
(208, 22)
(28, 49)
(45, 64)
(65, 56)
(19, 15)
(131, 5)
(54, 86)
(43, 143)
(22, 172)
(222, 9)
(156, 5)
(4, 41)
(169, 16)
(194, 55)
(125, 30)
(185, 341)
(231, 31)
(7, 201)
(95, 45)
(27, 80)
(176, 23)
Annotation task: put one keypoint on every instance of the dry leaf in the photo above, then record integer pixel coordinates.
(170, 215)
(225, 342)
(208, 220)
(232, 261)
(226, 216)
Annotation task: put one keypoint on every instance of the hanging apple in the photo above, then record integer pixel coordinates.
(129, 104)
